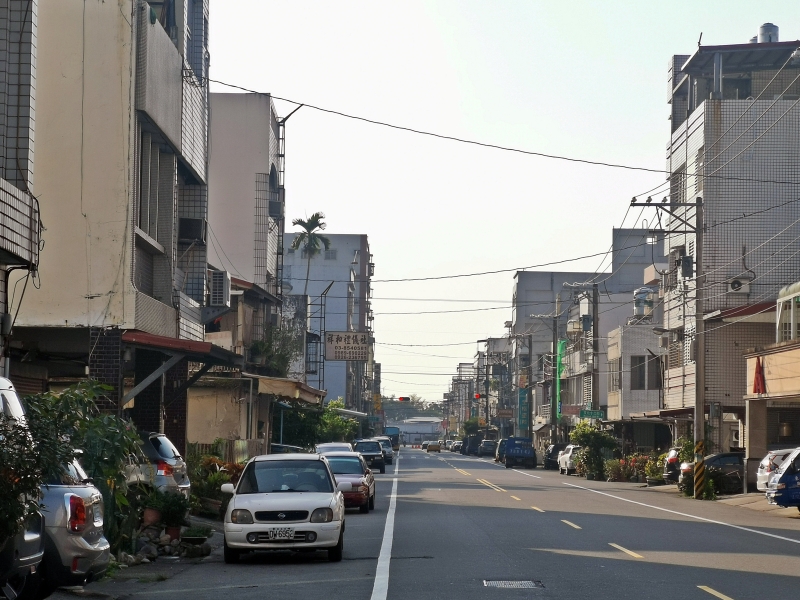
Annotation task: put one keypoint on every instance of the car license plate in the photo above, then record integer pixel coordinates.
(281, 533)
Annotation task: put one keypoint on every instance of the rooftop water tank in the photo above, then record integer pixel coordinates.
(643, 300)
(767, 33)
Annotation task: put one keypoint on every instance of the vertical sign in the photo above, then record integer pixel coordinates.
(522, 414)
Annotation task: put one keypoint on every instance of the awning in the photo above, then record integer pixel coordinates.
(204, 352)
(539, 427)
(288, 389)
(351, 413)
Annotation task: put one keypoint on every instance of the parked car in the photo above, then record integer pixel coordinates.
(487, 448)
(306, 514)
(350, 467)
(388, 451)
(332, 447)
(566, 460)
(727, 469)
(19, 558)
(434, 446)
(783, 488)
(372, 452)
(75, 549)
(425, 445)
(456, 447)
(550, 458)
(500, 454)
(163, 467)
(672, 465)
(448, 444)
(768, 465)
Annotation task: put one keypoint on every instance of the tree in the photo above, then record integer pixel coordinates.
(310, 239)
(471, 426)
(592, 441)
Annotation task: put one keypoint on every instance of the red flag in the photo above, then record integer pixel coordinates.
(759, 384)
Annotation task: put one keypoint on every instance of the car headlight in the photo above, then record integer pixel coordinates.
(241, 517)
(322, 515)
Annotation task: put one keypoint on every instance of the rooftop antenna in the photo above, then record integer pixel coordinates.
(700, 39)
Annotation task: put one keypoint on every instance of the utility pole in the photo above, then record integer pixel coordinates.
(595, 347)
(530, 387)
(486, 387)
(700, 359)
(554, 369)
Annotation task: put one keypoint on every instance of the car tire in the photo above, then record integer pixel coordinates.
(335, 553)
(364, 508)
(372, 502)
(383, 468)
(230, 555)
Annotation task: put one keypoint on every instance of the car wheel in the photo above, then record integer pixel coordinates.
(364, 508)
(383, 469)
(230, 555)
(26, 588)
(372, 502)
(335, 553)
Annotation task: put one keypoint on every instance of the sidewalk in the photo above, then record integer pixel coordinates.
(753, 500)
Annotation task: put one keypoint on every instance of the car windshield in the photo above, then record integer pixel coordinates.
(367, 447)
(345, 465)
(333, 448)
(270, 476)
(70, 474)
(386, 444)
(164, 447)
(11, 406)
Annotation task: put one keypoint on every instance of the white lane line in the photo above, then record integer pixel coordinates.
(571, 524)
(714, 592)
(380, 588)
(625, 550)
(675, 512)
(524, 473)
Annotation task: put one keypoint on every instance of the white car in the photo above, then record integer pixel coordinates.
(566, 460)
(285, 502)
(769, 465)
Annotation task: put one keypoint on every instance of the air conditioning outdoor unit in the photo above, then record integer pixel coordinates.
(276, 209)
(738, 285)
(191, 230)
(663, 341)
(219, 285)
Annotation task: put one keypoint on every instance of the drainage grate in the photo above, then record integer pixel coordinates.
(497, 583)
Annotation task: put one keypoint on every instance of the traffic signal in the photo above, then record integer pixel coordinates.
(404, 399)
(479, 396)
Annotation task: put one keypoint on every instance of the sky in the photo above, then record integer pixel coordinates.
(583, 80)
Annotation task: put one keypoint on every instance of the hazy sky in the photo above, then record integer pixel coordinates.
(579, 79)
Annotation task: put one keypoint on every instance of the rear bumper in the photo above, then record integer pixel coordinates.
(355, 499)
(63, 551)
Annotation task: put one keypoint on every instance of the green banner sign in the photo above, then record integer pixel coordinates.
(591, 414)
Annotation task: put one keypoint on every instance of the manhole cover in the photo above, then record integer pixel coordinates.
(498, 583)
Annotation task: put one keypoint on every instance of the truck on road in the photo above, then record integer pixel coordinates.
(520, 452)
(393, 433)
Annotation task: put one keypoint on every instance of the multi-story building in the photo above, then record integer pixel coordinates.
(735, 122)
(543, 301)
(122, 109)
(339, 296)
(20, 226)
(461, 395)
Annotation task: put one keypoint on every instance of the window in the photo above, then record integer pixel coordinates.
(699, 169)
(330, 254)
(614, 374)
(677, 185)
(654, 373)
(638, 372)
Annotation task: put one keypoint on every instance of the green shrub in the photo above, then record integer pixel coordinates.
(613, 469)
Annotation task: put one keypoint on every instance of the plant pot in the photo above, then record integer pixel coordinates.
(174, 533)
(151, 516)
(195, 541)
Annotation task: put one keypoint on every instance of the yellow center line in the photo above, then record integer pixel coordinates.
(705, 588)
(625, 550)
(462, 471)
(515, 498)
(496, 488)
(537, 508)
(570, 524)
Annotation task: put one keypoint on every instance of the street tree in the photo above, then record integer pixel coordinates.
(310, 240)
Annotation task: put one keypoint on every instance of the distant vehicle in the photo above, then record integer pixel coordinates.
(372, 451)
(286, 449)
(456, 447)
(332, 447)
(487, 448)
(388, 451)
(727, 469)
(350, 467)
(434, 446)
(769, 465)
(520, 451)
(472, 444)
(550, 458)
(425, 445)
(672, 465)
(566, 460)
(163, 468)
(448, 444)
(393, 433)
(500, 455)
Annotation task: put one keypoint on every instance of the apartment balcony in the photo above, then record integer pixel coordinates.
(19, 226)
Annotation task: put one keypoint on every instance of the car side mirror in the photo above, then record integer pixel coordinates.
(227, 488)
(343, 486)
(368, 472)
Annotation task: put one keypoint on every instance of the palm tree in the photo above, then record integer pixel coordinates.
(310, 239)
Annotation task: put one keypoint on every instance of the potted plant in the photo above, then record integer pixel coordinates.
(196, 535)
(654, 470)
(153, 503)
(174, 509)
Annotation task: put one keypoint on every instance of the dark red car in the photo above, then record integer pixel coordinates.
(350, 467)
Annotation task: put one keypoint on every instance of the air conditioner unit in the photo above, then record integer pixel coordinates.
(738, 285)
(276, 209)
(219, 285)
(191, 230)
(663, 341)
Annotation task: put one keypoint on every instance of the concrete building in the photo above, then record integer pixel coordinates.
(339, 295)
(122, 114)
(20, 225)
(734, 132)
(542, 303)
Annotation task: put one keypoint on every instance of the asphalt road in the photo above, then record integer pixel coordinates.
(445, 525)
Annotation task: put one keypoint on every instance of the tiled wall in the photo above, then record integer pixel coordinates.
(189, 325)
(18, 28)
(105, 363)
(193, 203)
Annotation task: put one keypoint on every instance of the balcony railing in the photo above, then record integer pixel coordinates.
(19, 226)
